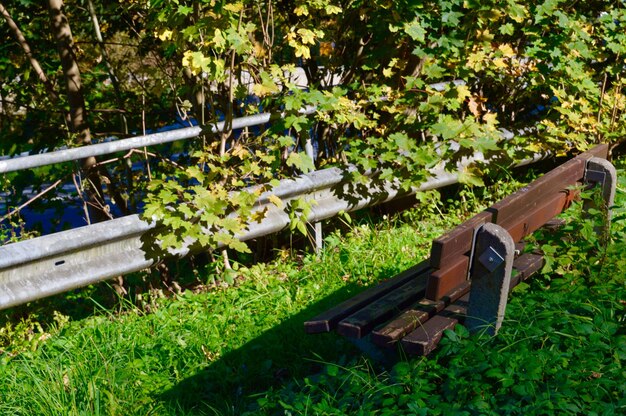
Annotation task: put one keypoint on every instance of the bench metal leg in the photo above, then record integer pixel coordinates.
(601, 172)
(490, 274)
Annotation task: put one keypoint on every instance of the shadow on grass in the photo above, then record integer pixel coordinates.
(283, 354)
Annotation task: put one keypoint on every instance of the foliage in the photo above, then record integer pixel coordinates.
(399, 88)
(387, 115)
(238, 349)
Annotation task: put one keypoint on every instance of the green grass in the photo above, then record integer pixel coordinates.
(242, 348)
(207, 350)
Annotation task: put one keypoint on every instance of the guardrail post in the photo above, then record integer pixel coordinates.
(601, 172)
(316, 236)
(490, 273)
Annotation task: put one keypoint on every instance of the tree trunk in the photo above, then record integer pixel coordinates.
(21, 40)
(78, 119)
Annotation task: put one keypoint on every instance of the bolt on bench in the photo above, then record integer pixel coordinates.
(471, 269)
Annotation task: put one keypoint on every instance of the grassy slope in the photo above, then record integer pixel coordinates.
(243, 348)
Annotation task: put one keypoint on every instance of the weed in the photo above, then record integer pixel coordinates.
(240, 348)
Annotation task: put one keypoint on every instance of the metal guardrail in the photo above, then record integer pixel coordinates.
(51, 264)
(99, 149)
(44, 266)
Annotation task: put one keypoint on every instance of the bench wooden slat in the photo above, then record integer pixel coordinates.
(456, 242)
(531, 196)
(412, 318)
(551, 206)
(446, 279)
(363, 321)
(327, 321)
(423, 340)
(526, 265)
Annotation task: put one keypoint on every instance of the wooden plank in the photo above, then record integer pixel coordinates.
(529, 222)
(533, 195)
(410, 319)
(553, 225)
(456, 242)
(423, 340)
(525, 265)
(363, 321)
(327, 321)
(601, 151)
(444, 280)
(558, 179)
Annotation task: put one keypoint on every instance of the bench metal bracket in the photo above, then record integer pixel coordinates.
(601, 172)
(490, 272)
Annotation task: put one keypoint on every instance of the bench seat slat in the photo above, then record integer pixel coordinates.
(525, 265)
(328, 320)
(414, 317)
(363, 321)
(423, 340)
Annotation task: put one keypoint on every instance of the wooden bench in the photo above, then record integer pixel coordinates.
(414, 308)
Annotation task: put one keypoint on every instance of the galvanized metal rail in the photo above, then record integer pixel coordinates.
(56, 263)
(99, 149)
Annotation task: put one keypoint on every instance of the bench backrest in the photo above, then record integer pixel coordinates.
(520, 214)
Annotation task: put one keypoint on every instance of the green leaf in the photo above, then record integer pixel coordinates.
(415, 31)
(469, 177)
(301, 161)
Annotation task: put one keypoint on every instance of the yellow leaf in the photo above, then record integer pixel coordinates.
(499, 63)
(476, 60)
(463, 92)
(387, 72)
(484, 35)
(491, 119)
(301, 11)
(330, 9)
(239, 151)
(506, 50)
(276, 201)
(165, 35)
(303, 51)
(307, 36)
(187, 58)
(234, 7)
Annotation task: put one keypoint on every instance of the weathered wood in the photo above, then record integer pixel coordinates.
(423, 340)
(525, 266)
(551, 206)
(363, 321)
(446, 279)
(327, 321)
(410, 319)
(456, 242)
(532, 195)
(528, 198)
